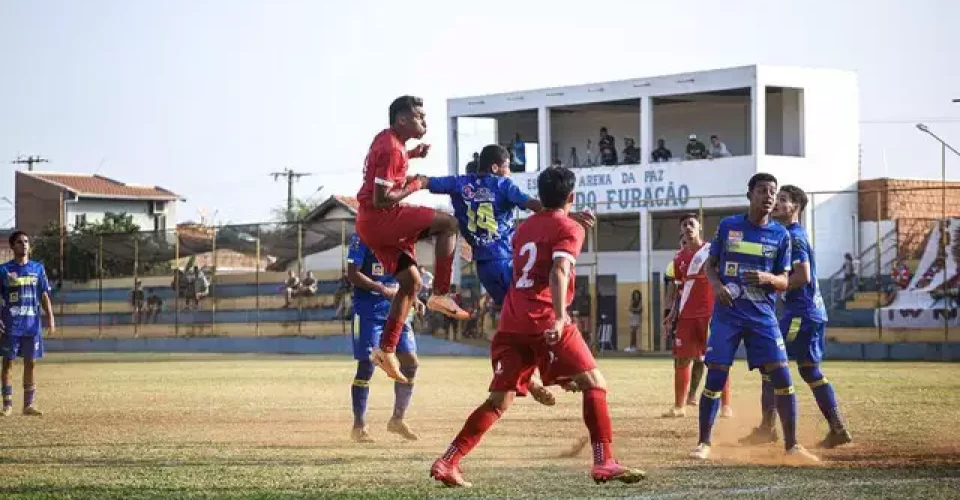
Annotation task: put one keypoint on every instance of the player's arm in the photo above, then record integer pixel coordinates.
(363, 282)
(387, 165)
(800, 275)
(441, 185)
(45, 302)
(559, 277)
(386, 196)
(779, 278)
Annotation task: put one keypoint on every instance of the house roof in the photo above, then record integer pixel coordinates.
(98, 186)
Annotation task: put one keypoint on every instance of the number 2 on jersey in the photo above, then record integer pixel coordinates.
(525, 281)
(483, 218)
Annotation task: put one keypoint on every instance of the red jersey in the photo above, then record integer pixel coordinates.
(528, 308)
(696, 295)
(386, 164)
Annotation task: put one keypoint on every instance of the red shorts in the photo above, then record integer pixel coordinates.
(392, 232)
(691, 338)
(515, 356)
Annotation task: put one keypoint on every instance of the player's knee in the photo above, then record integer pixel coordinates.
(812, 375)
(716, 380)
(592, 379)
(682, 362)
(501, 401)
(446, 223)
(717, 367)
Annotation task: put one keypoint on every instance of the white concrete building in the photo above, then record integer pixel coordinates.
(798, 124)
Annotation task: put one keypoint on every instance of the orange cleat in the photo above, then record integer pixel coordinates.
(543, 395)
(611, 470)
(448, 474)
(444, 304)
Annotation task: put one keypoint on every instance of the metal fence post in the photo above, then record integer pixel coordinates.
(100, 286)
(257, 279)
(650, 287)
(176, 283)
(299, 275)
(343, 260)
(138, 311)
(879, 313)
(213, 286)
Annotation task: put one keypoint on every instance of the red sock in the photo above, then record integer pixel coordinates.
(725, 395)
(441, 281)
(478, 423)
(596, 415)
(391, 334)
(681, 384)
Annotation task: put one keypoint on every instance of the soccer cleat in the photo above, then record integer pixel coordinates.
(448, 474)
(692, 402)
(577, 448)
(31, 411)
(674, 412)
(835, 439)
(7, 411)
(399, 427)
(445, 305)
(388, 362)
(360, 435)
(800, 454)
(611, 470)
(543, 395)
(726, 412)
(758, 436)
(701, 452)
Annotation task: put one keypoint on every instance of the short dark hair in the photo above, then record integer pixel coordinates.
(14, 235)
(796, 195)
(603, 129)
(760, 177)
(714, 137)
(554, 186)
(491, 155)
(403, 104)
(689, 215)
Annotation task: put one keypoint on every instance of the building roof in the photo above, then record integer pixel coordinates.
(98, 186)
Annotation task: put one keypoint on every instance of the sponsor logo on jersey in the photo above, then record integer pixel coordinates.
(731, 269)
(377, 269)
(734, 290)
(484, 194)
(735, 236)
(769, 251)
(468, 192)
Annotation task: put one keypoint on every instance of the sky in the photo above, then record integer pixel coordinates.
(206, 98)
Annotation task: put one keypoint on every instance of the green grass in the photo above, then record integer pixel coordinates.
(209, 426)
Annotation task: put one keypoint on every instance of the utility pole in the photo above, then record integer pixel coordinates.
(30, 161)
(291, 178)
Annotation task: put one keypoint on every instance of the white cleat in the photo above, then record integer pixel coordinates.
(675, 412)
(31, 411)
(800, 454)
(7, 411)
(726, 412)
(701, 452)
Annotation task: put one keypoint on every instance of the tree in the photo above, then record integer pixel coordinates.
(301, 208)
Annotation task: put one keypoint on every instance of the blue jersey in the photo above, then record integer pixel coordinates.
(367, 303)
(483, 205)
(741, 246)
(804, 302)
(21, 287)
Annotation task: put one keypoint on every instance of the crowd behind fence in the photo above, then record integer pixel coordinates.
(232, 280)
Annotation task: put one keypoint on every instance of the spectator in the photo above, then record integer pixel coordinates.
(137, 301)
(661, 154)
(901, 275)
(851, 279)
(696, 150)
(636, 315)
(472, 164)
(290, 286)
(426, 288)
(154, 306)
(520, 150)
(573, 161)
(556, 164)
(199, 287)
(631, 153)
(179, 285)
(717, 149)
(308, 287)
(608, 148)
(340, 296)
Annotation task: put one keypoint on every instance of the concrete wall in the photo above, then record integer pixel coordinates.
(96, 209)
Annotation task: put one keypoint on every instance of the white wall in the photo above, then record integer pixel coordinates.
(784, 113)
(139, 209)
(729, 120)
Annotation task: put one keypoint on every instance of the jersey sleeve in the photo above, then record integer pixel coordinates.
(356, 252)
(799, 249)
(442, 185)
(569, 242)
(782, 262)
(679, 275)
(513, 194)
(388, 164)
(717, 244)
(43, 285)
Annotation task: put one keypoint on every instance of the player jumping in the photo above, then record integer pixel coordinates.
(803, 326)
(534, 332)
(749, 261)
(392, 230)
(484, 205)
(691, 316)
(23, 288)
(372, 290)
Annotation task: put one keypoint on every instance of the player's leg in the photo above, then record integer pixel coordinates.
(571, 359)
(766, 349)
(408, 276)
(726, 411)
(364, 338)
(444, 228)
(6, 375)
(31, 349)
(722, 347)
(696, 376)
(766, 432)
(681, 384)
(807, 349)
(403, 391)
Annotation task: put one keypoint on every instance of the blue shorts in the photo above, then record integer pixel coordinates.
(495, 276)
(764, 344)
(26, 347)
(366, 336)
(804, 338)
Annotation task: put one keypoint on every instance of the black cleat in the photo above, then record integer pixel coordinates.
(836, 438)
(759, 436)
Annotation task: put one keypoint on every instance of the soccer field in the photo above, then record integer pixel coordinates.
(181, 426)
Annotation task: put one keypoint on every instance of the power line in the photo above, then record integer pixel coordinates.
(912, 121)
(30, 161)
(291, 177)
